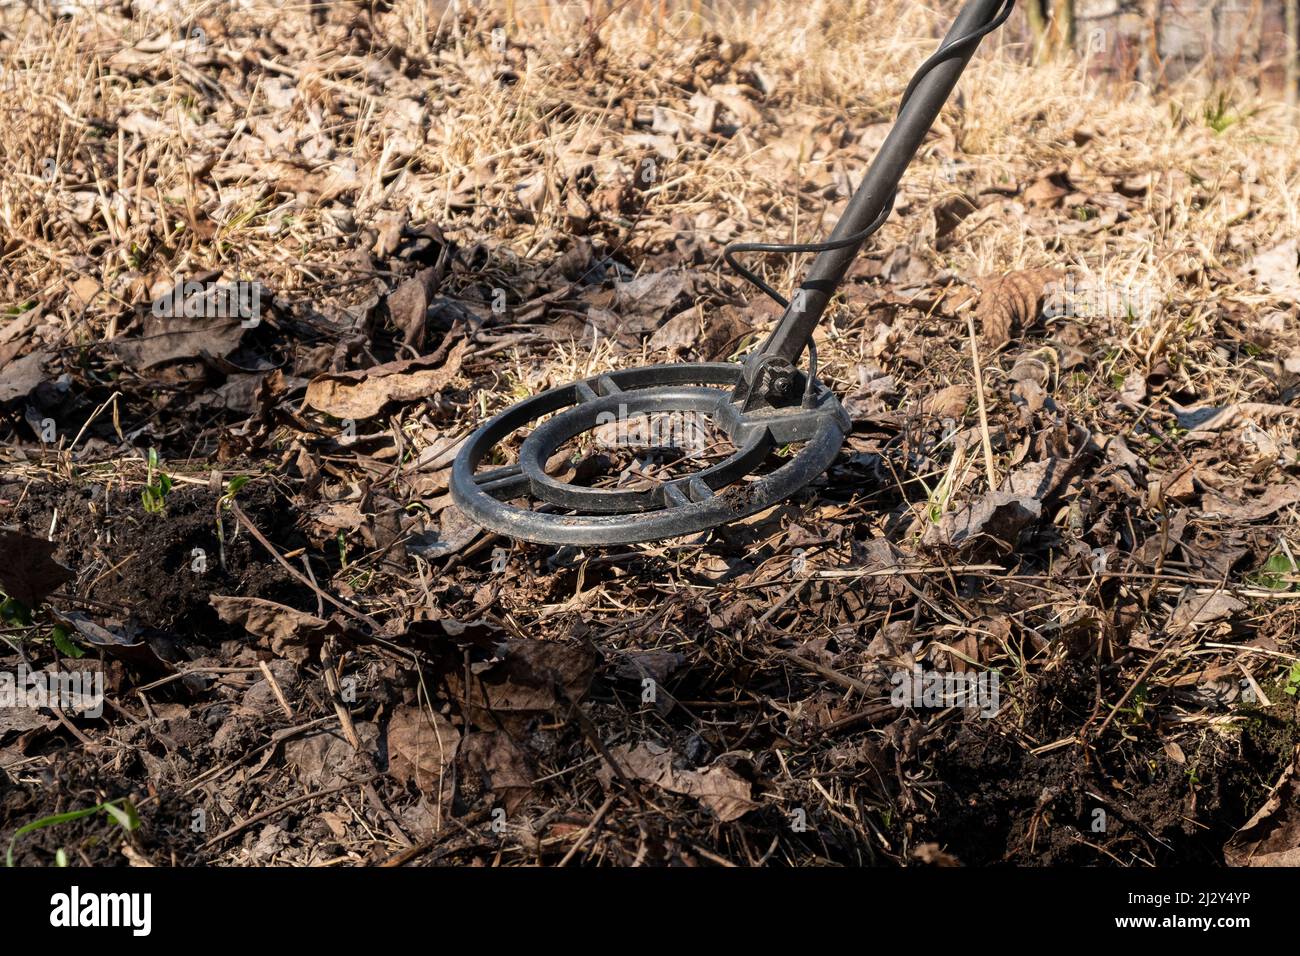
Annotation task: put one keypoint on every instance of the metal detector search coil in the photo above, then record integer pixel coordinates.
(765, 403)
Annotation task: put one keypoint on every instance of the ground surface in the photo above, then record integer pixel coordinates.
(311, 658)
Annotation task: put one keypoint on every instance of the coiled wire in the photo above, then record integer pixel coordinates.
(945, 52)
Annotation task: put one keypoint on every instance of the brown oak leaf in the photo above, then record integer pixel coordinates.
(1011, 300)
(27, 571)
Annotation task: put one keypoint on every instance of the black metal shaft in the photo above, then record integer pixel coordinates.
(791, 335)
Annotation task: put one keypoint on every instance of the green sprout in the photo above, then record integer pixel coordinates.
(120, 810)
(157, 485)
(1137, 709)
(1275, 573)
(1292, 686)
(63, 641)
(1218, 113)
(223, 504)
(15, 612)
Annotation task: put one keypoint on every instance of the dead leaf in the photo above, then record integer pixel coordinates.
(14, 334)
(1049, 187)
(1202, 423)
(454, 531)
(358, 395)
(1134, 388)
(658, 665)
(1204, 609)
(654, 295)
(325, 759)
(529, 677)
(335, 516)
(1272, 836)
(1039, 479)
(1011, 300)
(388, 233)
(421, 746)
(84, 291)
(1279, 268)
(712, 339)
(678, 334)
(408, 307)
(948, 215)
(177, 339)
(28, 573)
(947, 403)
(1180, 486)
(93, 633)
(706, 113)
(20, 720)
(1000, 515)
(22, 376)
(1271, 499)
(502, 766)
(720, 788)
(290, 633)
(733, 98)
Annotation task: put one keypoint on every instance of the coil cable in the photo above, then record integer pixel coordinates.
(945, 52)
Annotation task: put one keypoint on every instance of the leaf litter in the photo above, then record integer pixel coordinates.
(440, 223)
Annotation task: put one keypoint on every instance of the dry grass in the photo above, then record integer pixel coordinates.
(276, 144)
(107, 162)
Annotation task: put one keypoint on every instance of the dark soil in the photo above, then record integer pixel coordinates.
(140, 567)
